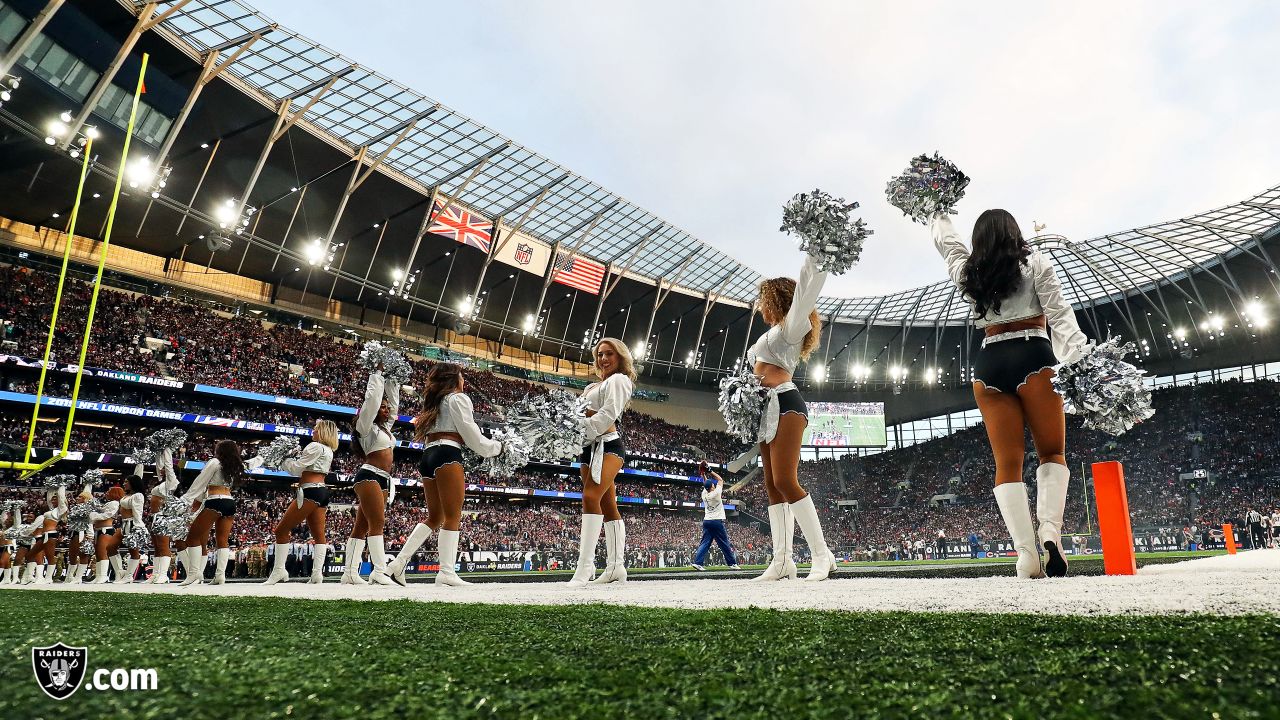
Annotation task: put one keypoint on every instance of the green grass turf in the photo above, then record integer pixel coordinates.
(277, 658)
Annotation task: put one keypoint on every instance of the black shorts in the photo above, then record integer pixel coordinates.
(46, 537)
(105, 531)
(613, 447)
(792, 401)
(224, 506)
(317, 495)
(367, 475)
(436, 457)
(1007, 365)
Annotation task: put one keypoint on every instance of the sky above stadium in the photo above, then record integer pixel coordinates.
(1088, 117)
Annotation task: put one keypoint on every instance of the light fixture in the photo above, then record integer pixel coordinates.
(819, 373)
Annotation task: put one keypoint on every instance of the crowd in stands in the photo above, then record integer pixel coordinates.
(1230, 429)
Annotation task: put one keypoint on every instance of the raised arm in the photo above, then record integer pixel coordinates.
(200, 485)
(310, 455)
(391, 393)
(1069, 342)
(109, 510)
(950, 246)
(796, 325)
(464, 421)
(616, 392)
(165, 476)
(372, 400)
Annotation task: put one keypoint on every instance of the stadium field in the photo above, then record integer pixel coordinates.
(269, 657)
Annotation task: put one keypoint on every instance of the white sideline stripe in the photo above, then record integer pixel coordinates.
(1221, 585)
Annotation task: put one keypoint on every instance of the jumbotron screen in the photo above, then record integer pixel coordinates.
(849, 424)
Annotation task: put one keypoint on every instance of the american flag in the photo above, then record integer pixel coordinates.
(579, 272)
(461, 225)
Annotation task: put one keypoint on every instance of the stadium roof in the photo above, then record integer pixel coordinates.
(366, 109)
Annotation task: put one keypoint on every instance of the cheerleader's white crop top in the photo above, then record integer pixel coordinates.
(109, 510)
(781, 344)
(608, 398)
(457, 415)
(131, 506)
(1039, 293)
(213, 476)
(375, 437)
(316, 457)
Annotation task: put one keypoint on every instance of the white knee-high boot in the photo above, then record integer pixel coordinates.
(355, 551)
(806, 515)
(1012, 499)
(318, 554)
(73, 574)
(130, 570)
(100, 572)
(776, 522)
(378, 557)
(591, 525)
(160, 573)
(29, 575)
(221, 557)
(395, 570)
(194, 563)
(278, 571)
(1051, 502)
(117, 568)
(615, 569)
(448, 544)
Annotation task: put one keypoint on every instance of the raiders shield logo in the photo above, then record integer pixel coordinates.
(524, 253)
(59, 669)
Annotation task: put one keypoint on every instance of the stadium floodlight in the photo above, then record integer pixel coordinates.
(638, 351)
(465, 305)
(397, 274)
(140, 172)
(529, 324)
(314, 253)
(819, 373)
(225, 213)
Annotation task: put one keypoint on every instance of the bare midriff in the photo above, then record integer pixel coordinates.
(1036, 323)
(380, 459)
(771, 375)
(219, 490)
(310, 476)
(432, 437)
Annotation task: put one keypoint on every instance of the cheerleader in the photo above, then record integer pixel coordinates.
(1028, 328)
(373, 444)
(166, 484)
(131, 518)
(78, 562)
(311, 504)
(788, 307)
(9, 545)
(105, 536)
(42, 559)
(602, 458)
(445, 424)
(211, 499)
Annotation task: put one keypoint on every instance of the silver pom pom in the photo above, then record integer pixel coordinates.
(394, 365)
(12, 506)
(92, 476)
(1106, 391)
(550, 424)
(742, 400)
(52, 482)
(78, 516)
(826, 233)
(137, 539)
(143, 455)
(282, 447)
(172, 519)
(87, 549)
(514, 455)
(931, 185)
(168, 439)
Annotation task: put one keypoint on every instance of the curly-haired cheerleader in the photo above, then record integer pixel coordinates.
(42, 558)
(373, 444)
(788, 307)
(602, 459)
(210, 496)
(106, 537)
(166, 485)
(446, 423)
(1028, 328)
(130, 518)
(311, 504)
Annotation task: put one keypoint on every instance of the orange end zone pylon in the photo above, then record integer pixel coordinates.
(1113, 519)
(1229, 537)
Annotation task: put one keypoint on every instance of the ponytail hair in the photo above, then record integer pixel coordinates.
(443, 380)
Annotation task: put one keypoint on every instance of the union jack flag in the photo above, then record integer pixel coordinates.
(579, 272)
(461, 225)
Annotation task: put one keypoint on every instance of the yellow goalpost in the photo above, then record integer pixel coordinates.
(28, 467)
